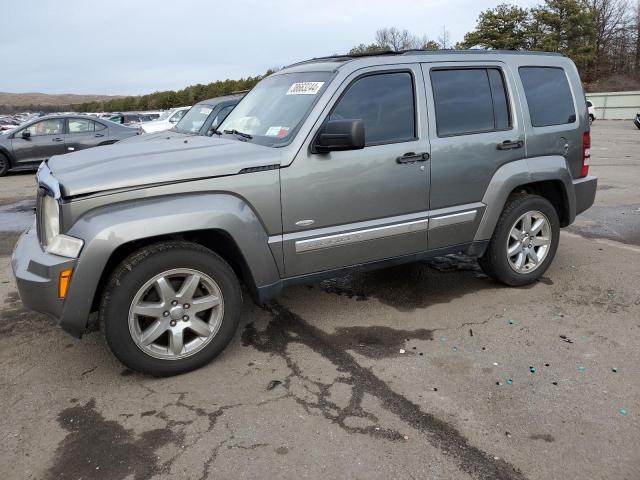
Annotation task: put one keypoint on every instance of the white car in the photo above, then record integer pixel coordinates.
(592, 111)
(166, 121)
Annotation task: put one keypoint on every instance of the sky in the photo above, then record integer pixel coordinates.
(132, 47)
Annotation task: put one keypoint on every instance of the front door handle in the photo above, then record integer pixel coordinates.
(510, 145)
(412, 157)
(57, 139)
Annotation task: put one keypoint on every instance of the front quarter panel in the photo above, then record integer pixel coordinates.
(105, 229)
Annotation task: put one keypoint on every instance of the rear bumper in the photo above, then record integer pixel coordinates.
(36, 273)
(585, 190)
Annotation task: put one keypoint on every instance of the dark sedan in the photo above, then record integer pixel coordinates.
(26, 146)
(201, 119)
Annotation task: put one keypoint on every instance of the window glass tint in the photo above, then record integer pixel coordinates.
(80, 125)
(385, 104)
(98, 126)
(500, 102)
(548, 96)
(222, 114)
(462, 101)
(46, 127)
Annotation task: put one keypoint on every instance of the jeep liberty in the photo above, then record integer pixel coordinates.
(328, 165)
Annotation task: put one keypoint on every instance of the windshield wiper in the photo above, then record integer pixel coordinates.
(240, 134)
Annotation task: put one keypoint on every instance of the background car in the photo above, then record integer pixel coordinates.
(636, 121)
(26, 146)
(202, 119)
(166, 121)
(592, 111)
(129, 118)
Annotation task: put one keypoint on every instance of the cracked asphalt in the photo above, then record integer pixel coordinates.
(428, 370)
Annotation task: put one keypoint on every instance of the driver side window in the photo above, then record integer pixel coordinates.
(46, 127)
(385, 103)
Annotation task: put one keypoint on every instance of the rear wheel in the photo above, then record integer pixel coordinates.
(4, 165)
(524, 241)
(170, 308)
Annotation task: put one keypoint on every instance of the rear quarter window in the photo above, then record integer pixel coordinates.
(548, 96)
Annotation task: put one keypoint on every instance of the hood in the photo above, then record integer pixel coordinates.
(166, 135)
(127, 165)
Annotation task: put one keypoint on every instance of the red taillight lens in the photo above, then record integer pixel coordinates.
(586, 153)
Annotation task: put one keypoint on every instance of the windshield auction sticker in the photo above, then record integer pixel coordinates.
(305, 88)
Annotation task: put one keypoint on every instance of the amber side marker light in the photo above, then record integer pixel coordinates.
(63, 282)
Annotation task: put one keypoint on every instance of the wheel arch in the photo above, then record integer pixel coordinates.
(223, 223)
(547, 176)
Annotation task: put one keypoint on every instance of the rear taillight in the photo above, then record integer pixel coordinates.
(586, 153)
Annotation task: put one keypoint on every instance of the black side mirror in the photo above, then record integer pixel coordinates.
(26, 134)
(340, 135)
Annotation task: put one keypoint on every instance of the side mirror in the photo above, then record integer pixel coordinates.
(26, 134)
(340, 135)
(174, 119)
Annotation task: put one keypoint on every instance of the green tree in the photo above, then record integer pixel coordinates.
(505, 27)
(565, 26)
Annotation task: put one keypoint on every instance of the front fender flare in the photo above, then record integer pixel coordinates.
(107, 228)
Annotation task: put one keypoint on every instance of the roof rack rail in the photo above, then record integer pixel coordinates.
(473, 51)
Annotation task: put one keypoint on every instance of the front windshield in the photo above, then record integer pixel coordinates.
(194, 119)
(165, 115)
(276, 107)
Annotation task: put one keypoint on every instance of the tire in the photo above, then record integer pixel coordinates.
(135, 286)
(496, 261)
(5, 165)
(591, 119)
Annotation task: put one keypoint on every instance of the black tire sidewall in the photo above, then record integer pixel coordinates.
(136, 270)
(5, 165)
(496, 259)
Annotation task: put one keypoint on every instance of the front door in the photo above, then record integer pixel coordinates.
(45, 140)
(353, 207)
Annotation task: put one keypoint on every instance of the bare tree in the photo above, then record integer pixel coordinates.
(444, 40)
(396, 40)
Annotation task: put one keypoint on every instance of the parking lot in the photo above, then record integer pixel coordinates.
(428, 370)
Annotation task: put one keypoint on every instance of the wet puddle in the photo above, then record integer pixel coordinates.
(619, 223)
(17, 216)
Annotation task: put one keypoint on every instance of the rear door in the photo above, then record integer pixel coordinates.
(84, 133)
(476, 130)
(46, 139)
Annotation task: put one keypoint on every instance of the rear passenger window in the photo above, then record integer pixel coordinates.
(386, 105)
(548, 96)
(470, 100)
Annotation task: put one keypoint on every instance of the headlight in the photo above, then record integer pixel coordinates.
(52, 240)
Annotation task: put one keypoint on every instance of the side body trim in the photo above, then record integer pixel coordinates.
(454, 218)
(361, 235)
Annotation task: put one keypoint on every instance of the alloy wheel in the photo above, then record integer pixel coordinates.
(176, 314)
(529, 242)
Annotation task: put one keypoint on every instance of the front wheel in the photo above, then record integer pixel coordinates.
(4, 165)
(524, 241)
(170, 308)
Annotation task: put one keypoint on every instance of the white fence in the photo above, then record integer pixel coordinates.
(615, 105)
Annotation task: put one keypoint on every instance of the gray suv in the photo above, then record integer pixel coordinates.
(327, 165)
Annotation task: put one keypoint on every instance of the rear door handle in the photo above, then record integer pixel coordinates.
(99, 135)
(510, 145)
(412, 157)
(57, 139)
